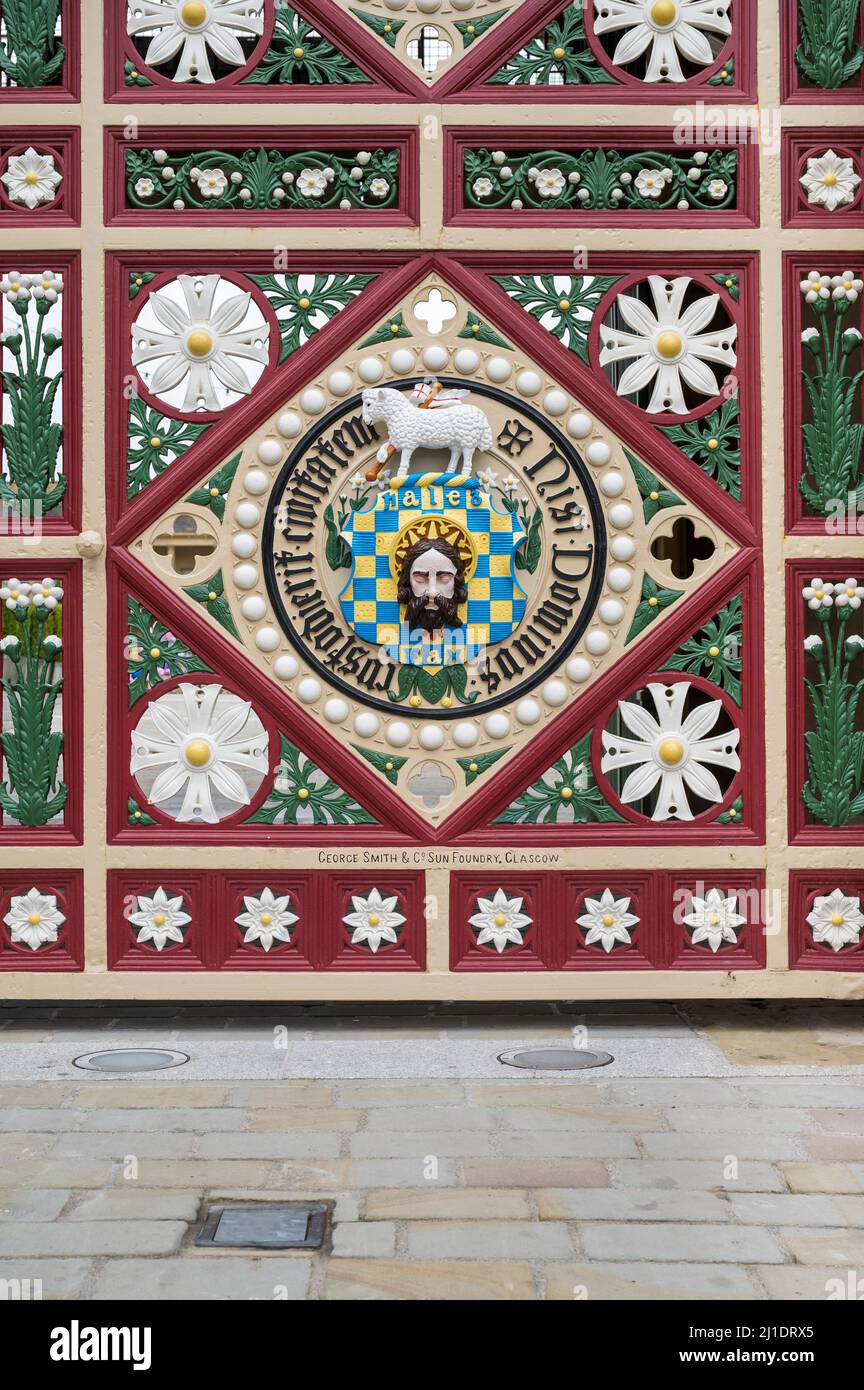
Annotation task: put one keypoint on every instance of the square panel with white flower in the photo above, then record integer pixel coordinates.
(162, 920)
(373, 921)
(42, 920)
(610, 921)
(714, 921)
(823, 169)
(826, 920)
(268, 921)
(501, 922)
(40, 176)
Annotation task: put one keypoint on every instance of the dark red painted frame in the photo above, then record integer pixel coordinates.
(212, 899)
(69, 86)
(800, 143)
(390, 81)
(465, 82)
(67, 520)
(574, 138)
(798, 575)
(64, 143)
(804, 886)
(792, 89)
(470, 276)
(71, 832)
(795, 269)
(67, 952)
(406, 213)
(554, 899)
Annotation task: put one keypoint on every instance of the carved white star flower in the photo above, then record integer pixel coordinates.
(199, 342)
(607, 919)
(713, 920)
(374, 919)
(482, 187)
(34, 919)
(203, 747)
(159, 919)
(31, 178)
(499, 920)
(830, 180)
(664, 30)
(836, 920)
(267, 918)
(195, 29)
(670, 752)
(668, 345)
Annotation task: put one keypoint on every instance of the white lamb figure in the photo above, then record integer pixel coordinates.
(460, 428)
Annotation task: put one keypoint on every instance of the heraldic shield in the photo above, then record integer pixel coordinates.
(455, 511)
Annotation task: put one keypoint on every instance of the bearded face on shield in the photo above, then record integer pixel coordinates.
(432, 585)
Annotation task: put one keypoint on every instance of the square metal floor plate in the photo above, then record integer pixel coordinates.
(276, 1226)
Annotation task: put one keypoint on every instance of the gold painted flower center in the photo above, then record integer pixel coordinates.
(500, 919)
(714, 651)
(566, 793)
(266, 919)
(664, 12)
(671, 751)
(608, 919)
(836, 920)
(34, 178)
(154, 652)
(34, 919)
(155, 442)
(199, 342)
(669, 344)
(714, 919)
(193, 13)
(374, 919)
(303, 794)
(564, 305)
(830, 180)
(197, 752)
(158, 919)
(558, 53)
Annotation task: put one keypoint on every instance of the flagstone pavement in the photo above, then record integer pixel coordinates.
(743, 1181)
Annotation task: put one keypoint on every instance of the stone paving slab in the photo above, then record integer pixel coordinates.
(461, 1280)
(622, 1282)
(671, 1241)
(201, 1278)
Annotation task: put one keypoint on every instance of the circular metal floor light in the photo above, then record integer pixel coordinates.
(130, 1059)
(555, 1059)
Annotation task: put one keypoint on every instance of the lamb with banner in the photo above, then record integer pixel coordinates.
(446, 424)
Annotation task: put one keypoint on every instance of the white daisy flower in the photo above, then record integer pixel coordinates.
(830, 180)
(499, 920)
(607, 919)
(159, 919)
(203, 344)
(664, 30)
(34, 919)
(16, 287)
(31, 178)
(312, 183)
(48, 285)
(204, 742)
(211, 182)
(848, 594)
(510, 484)
(487, 479)
(46, 595)
(713, 920)
(549, 183)
(379, 188)
(669, 345)
(195, 29)
(670, 752)
(816, 286)
(717, 189)
(374, 919)
(144, 187)
(267, 919)
(650, 183)
(846, 286)
(482, 188)
(836, 920)
(818, 594)
(15, 593)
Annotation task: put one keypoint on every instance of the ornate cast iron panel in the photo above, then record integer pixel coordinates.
(404, 543)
